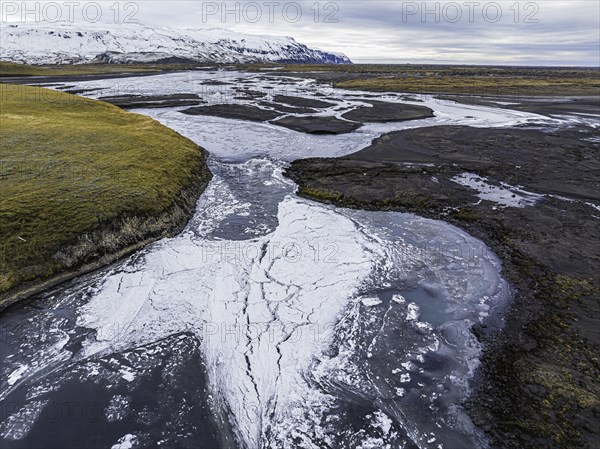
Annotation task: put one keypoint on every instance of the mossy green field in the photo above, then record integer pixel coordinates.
(71, 167)
(465, 80)
(8, 69)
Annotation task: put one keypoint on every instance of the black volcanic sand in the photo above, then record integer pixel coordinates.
(153, 101)
(401, 97)
(302, 102)
(318, 125)
(497, 153)
(234, 111)
(75, 91)
(539, 383)
(388, 112)
(251, 93)
(215, 83)
(287, 109)
(72, 89)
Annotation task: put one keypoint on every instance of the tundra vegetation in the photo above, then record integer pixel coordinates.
(84, 182)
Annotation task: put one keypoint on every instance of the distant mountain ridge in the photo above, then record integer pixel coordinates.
(62, 43)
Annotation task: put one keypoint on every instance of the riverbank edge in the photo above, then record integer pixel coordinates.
(168, 223)
(537, 303)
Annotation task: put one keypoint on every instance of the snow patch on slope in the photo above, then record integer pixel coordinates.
(58, 43)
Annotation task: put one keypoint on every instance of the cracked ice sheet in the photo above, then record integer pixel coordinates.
(262, 311)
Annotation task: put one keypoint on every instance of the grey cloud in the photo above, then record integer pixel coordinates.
(566, 32)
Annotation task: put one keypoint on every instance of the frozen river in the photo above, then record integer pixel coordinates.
(271, 321)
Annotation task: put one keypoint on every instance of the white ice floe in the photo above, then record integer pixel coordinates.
(399, 299)
(370, 302)
(127, 374)
(126, 442)
(263, 311)
(502, 194)
(593, 206)
(383, 422)
(413, 312)
(16, 374)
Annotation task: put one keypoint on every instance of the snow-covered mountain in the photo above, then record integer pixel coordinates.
(69, 43)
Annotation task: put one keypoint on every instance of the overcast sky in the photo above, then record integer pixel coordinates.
(547, 32)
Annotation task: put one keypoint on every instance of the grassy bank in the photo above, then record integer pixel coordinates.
(8, 69)
(83, 183)
(466, 80)
(481, 86)
(515, 87)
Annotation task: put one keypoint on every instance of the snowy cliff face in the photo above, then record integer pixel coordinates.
(68, 43)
